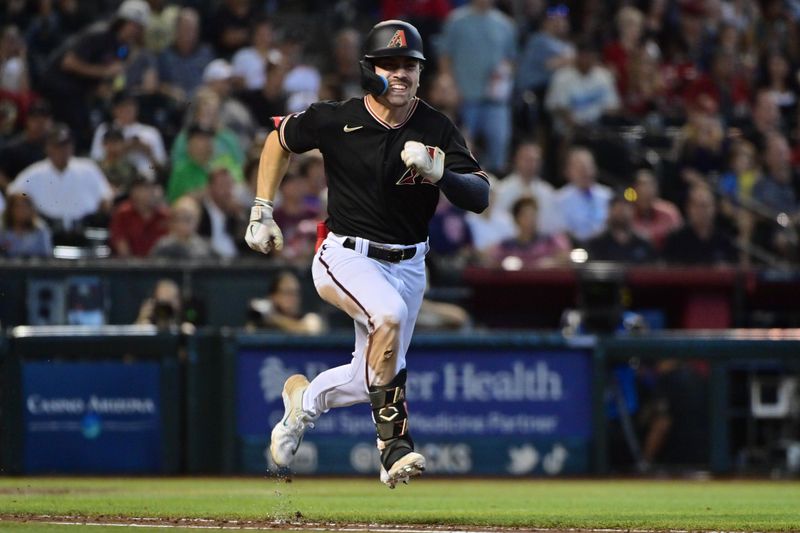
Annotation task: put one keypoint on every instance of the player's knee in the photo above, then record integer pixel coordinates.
(392, 318)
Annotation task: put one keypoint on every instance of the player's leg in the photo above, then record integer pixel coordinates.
(358, 286)
(398, 458)
(384, 306)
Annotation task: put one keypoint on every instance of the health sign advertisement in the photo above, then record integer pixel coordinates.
(478, 412)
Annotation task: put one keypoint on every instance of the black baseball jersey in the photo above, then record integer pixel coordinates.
(371, 193)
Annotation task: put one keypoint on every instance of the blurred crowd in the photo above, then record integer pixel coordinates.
(632, 131)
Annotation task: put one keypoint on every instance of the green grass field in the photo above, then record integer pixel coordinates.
(629, 504)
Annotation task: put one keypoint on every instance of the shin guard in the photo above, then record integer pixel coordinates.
(391, 419)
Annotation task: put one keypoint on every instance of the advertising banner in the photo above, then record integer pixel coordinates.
(518, 412)
(98, 417)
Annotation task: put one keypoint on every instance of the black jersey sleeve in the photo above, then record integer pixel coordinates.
(300, 132)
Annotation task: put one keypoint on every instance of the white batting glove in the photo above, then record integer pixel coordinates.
(263, 233)
(429, 162)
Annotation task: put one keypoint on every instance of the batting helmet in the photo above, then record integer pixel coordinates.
(392, 38)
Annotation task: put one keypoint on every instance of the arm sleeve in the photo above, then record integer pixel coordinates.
(463, 182)
(300, 132)
(467, 191)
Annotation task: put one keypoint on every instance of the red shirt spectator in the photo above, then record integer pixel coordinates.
(138, 222)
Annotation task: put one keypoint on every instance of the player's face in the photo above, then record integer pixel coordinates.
(403, 76)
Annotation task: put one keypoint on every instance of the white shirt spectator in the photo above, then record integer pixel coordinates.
(302, 84)
(67, 196)
(250, 65)
(513, 187)
(490, 231)
(585, 210)
(149, 136)
(586, 96)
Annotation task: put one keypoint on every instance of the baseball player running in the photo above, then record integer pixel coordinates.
(387, 156)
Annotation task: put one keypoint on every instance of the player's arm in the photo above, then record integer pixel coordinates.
(467, 191)
(263, 233)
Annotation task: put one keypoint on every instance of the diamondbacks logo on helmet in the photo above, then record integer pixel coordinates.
(398, 40)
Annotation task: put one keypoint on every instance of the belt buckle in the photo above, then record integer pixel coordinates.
(395, 254)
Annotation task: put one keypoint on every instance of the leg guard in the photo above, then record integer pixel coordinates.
(391, 419)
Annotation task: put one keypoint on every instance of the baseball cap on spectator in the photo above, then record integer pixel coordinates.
(137, 11)
(40, 108)
(60, 134)
(217, 70)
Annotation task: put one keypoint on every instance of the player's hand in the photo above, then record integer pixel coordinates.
(429, 162)
(263, 234)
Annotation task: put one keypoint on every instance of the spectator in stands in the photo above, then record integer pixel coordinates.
(222, 220)
(204, 112)
(181, 65)
(182, 241)
(646, 87)
(190, 175)
(701, 148)
(160, 30)
(303, 81)
(23, 233)
(618, 54)
(66, 190)
(343, 80)
(530, 248)
(269, 100)
(526, 180)
(619, 242)
(119, 171)
(293, 212)
(736, 184)
(249, 63)
(653, 217)
(478, 49)
(581, 94)
(544, 53)
(774, 193)
(94, 59)
(233, 115)
(724, 85)
(138, 222)
(700, 241)
(144, 146)
(282, 309)
(765, 119)
(583, 202)
(15, 83)
(450, 236)
(491, 226)
(443, 95)
(229, 26)
(26, 148)
(776, 188)
(777, 77)
(165, 308)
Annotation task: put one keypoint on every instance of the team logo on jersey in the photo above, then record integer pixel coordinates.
(398, 40)
(412, 177)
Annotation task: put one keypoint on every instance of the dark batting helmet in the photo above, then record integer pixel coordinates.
(392, 38)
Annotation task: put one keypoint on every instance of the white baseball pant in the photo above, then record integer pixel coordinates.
(383, 299)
